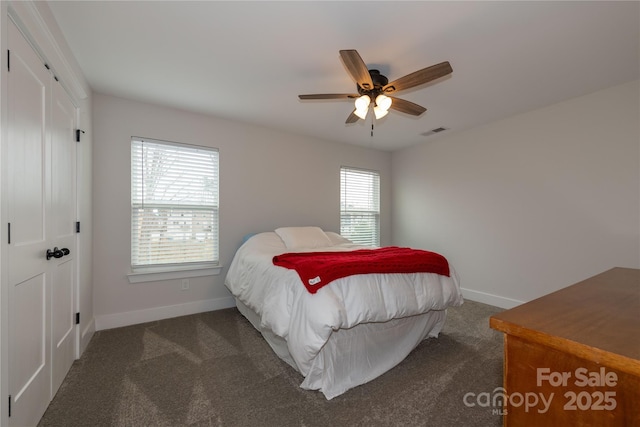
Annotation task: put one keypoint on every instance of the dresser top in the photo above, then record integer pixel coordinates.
(598, 315)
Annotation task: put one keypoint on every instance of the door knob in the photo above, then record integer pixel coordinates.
(55, 253)
(65, 251)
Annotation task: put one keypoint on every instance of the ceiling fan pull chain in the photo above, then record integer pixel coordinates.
(371, 130)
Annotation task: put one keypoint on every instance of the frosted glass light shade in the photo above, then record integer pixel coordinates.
(363, 102)
(361, 112)
(383, 102)
(362, 106)
(379, 112)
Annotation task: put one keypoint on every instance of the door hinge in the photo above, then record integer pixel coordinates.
(77, 226)
(9, 411)
(78, 318)
(8, 60)
(9, 233)
(78, 134)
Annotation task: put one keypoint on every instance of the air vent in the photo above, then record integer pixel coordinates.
(434, 131)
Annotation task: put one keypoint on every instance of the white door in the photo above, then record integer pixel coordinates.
(29, 366)
(62, 234)
(40, 289)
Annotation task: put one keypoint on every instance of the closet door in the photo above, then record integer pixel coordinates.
(41, 210)
(27, 201)
(62, 233)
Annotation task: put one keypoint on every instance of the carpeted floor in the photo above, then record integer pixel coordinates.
(214, 369)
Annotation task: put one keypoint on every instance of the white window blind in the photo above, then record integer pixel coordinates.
(360, 205)
(174, 204)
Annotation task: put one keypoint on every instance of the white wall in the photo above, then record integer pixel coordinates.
(530, 204)
(267, 180)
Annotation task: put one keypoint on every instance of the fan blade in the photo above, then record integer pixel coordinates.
(357, 68)
(406, 106)
(419, 77)
(352, 117)
(329, 96)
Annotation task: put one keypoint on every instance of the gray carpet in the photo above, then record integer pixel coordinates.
(214, 369)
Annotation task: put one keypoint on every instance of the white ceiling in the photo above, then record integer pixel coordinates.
(248, 61)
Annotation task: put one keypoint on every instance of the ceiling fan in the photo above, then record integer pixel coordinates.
(374, 87)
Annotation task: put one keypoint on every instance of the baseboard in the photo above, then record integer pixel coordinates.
(109, 321)
(490, 299)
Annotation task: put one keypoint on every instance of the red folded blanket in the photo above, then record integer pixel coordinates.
(317, 269)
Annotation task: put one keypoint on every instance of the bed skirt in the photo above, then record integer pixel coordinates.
(354, 356)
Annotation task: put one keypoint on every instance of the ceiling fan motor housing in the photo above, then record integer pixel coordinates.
(379, 81)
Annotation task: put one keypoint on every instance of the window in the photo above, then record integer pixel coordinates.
(174, 205)
(360, 205)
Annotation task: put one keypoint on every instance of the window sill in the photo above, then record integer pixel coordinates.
(155, 275)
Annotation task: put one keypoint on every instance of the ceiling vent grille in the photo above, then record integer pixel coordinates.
(434, 131)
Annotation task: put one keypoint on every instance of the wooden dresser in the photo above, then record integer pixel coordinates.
(572, 358)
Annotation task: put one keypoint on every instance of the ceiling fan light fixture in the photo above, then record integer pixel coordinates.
(379, 112)
(383, 102)
(362, 106)
(363, 102)
(361, 112)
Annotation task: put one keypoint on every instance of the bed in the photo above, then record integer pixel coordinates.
(346, 332)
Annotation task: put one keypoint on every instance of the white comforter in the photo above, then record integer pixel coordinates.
(307, 320)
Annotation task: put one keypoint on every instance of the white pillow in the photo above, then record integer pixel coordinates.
(303, 237)
(336, 238)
